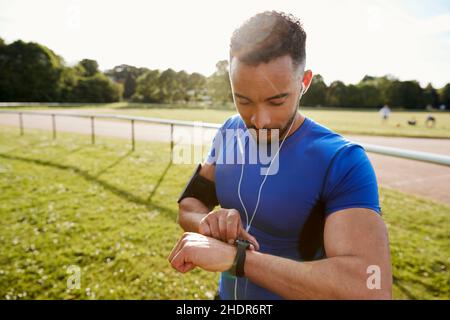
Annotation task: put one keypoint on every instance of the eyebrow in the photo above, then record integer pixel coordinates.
(278, 96)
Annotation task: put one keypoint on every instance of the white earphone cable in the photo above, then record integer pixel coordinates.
(249, 223)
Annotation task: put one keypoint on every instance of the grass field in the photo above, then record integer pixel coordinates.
(113, 213)
(343, 121)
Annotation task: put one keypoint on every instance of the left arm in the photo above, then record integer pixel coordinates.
(354, 240)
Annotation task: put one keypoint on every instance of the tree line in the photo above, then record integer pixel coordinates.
(376, 91)
(34, 73)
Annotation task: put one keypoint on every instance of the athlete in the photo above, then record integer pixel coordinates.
(309, 226)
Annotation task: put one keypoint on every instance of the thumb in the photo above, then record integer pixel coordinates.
(204, 229)
(247, 236)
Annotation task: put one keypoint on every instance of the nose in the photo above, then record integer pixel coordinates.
(260, 119)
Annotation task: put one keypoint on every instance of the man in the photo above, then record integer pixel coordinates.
(385, 112)
(314, 227)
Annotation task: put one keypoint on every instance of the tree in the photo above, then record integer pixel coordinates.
(90, 67)
(219, 88)
(147, 87)
(197, 85)
(167, 85)
(336, 94)
(32, 72)
(430, 96)
(392, 95)
(386, 88)
(444, 95)
(411, 94)
(67, 83)
(97, 88)
(317, 92)
(182, 79)
(353, 97)
(126, 75)
(368, 78)
(29, 72)
(370, 92)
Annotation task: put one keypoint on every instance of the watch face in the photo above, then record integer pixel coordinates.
(245, 243)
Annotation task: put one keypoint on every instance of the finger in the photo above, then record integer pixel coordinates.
(175, 249)
(204, 229)
(188, 266)
(214, 227)
(232, 228)
(247, 236)
(179, 245)
(180, 262)
(223, 227)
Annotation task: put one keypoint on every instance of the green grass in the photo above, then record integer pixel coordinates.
(113, 213)
(365, 122)
(369, 123)
(420, 245)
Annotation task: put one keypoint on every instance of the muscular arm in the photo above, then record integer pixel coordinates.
(192, 210)
(354, 240)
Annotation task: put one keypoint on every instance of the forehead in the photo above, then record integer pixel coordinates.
(278, 74)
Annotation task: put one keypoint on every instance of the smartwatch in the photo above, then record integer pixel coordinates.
(237, 268)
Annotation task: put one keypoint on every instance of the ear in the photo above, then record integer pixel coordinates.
(307, 79)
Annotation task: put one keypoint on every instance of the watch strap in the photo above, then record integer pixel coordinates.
(237, 268)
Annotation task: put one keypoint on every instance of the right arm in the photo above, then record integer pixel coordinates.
(191, 210)
(222, 224)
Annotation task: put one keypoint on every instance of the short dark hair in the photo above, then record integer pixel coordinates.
(269, 35)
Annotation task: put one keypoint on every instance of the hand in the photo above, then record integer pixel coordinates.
(226, 225)
(196, 250)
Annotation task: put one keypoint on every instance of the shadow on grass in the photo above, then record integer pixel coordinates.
(426, 287)
(404, 290)
(161, 178)
(71, 152)
(124, 194)
(115, 163)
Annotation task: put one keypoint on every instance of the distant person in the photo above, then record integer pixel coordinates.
(442, 107)
(430, 121)
(385, 111)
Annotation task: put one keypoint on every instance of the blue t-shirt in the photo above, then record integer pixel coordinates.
(319, 172)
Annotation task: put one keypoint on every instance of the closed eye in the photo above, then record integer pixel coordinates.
(244, 102)
(277, 102)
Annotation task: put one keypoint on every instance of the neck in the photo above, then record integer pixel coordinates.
(298, 121)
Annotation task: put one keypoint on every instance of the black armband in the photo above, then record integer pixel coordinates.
(202, 189)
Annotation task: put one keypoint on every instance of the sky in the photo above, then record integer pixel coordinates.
(346, 39)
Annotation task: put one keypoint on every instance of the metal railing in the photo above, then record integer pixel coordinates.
(389, 151)
(131, 119)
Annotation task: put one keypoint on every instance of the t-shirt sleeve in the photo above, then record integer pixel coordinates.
(351, 181)
(211, 158)
(217, 143)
